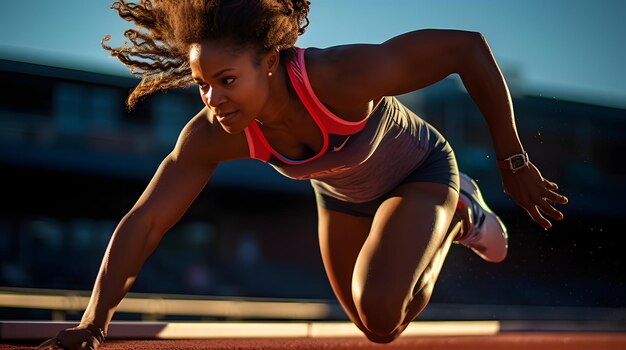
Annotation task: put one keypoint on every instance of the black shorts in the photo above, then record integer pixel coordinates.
(439, 167)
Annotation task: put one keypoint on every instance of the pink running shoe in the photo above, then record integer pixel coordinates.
(487, 237)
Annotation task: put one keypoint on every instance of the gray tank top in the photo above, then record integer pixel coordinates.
(371, 162)
(360, 161)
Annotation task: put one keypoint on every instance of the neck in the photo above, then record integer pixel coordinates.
(280, 110)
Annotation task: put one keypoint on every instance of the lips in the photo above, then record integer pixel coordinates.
(226, 117)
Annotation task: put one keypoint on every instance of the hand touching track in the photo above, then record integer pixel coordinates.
(78, 338)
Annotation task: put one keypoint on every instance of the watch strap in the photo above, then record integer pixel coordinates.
(514, 162)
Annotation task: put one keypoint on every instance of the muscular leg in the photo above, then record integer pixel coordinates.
(383, 270)
(341, 237)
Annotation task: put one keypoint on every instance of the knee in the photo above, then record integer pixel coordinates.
(381, 314)
(382, 339)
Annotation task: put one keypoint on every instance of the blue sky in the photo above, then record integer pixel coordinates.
(571, 49)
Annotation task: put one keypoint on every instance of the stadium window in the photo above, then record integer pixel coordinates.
(25, 93)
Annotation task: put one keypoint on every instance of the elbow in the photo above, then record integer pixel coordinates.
(475, 52)
(147, 232)
(480, 41)
(471, 38)
(153, 235)
(475, 42)
(478, 36)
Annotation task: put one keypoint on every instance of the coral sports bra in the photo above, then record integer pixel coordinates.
(333, 128)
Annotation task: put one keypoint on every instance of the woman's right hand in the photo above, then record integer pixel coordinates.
(77, 338)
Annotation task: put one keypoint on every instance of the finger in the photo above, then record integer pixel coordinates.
(555, 197)
(540, 219)
(50, 344)
(551, 185)
(550, 210)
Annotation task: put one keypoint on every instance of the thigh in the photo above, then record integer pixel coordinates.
(341, 237)
(408, 229)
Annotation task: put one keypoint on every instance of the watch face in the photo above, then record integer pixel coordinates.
(518, 162)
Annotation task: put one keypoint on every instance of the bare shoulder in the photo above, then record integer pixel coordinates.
(336, 76)
(340, 61)
(334, 73)
(204, 141)
(404, 63)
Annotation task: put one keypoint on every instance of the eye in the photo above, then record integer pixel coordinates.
(227, 81)
(203, 86)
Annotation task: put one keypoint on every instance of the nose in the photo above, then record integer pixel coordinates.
(214, 98)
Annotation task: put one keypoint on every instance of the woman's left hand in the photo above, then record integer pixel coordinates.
(533, 193)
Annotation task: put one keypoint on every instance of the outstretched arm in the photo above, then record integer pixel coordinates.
(421, 58)
(175, 185)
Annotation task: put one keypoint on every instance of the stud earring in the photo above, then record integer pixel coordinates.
(269, 74)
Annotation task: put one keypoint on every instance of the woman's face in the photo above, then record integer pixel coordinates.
(231, 82)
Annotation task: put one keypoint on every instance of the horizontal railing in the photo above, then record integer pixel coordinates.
(155, 306)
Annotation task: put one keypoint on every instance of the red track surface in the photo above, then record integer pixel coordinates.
(504, 341)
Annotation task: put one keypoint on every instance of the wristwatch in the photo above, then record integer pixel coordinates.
(514, 162)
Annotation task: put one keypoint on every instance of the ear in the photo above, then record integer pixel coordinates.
(271, 61)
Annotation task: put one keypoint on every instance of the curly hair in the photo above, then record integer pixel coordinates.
(165, 30)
